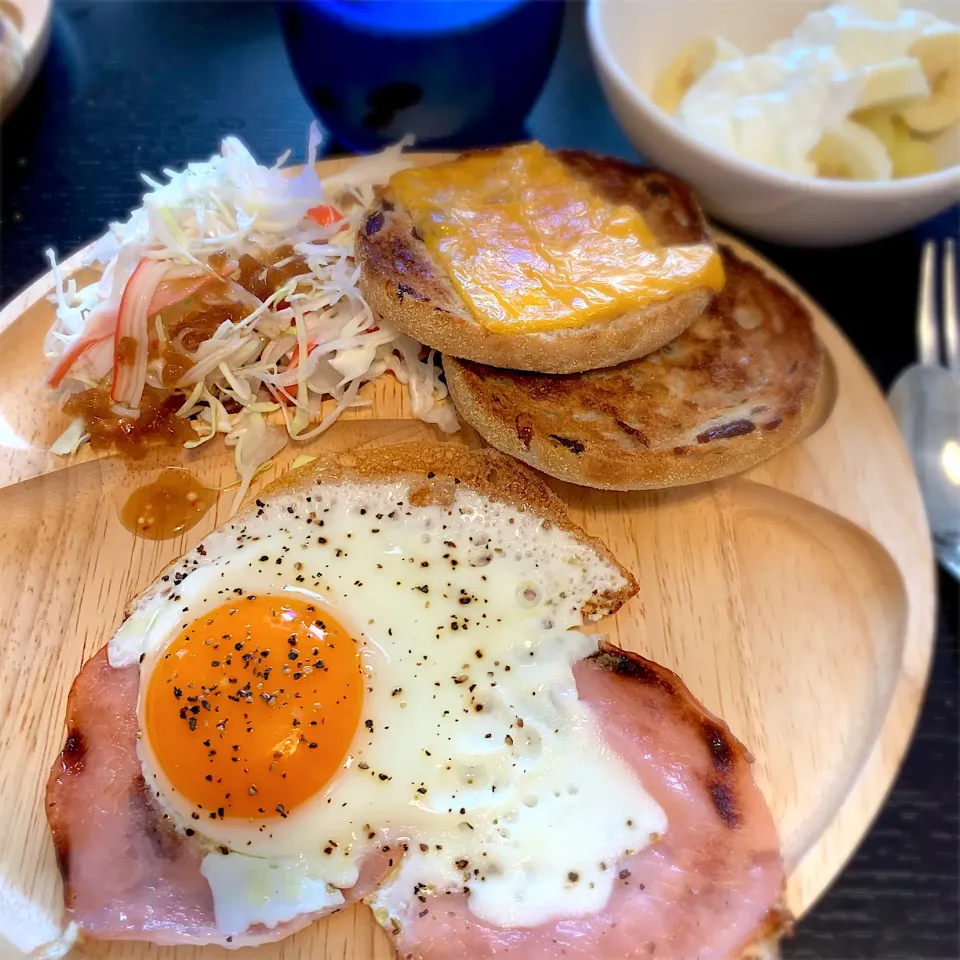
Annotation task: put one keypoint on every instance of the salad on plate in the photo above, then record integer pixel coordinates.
(228, 304)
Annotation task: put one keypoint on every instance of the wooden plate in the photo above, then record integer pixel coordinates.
(32, 18)
(796, 601)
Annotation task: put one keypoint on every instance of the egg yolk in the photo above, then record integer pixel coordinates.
(251, 709)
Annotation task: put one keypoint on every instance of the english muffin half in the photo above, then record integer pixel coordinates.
(525, 259)
(737, 387)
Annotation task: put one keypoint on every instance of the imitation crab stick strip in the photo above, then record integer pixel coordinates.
(100, 326)
(130, 373)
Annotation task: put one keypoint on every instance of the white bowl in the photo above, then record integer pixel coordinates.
(633, 40)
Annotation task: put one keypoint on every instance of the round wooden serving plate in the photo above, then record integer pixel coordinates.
(796, 601)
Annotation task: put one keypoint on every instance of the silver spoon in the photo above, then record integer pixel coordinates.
(925, 399)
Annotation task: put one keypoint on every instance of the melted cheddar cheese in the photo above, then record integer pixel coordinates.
(531, 247)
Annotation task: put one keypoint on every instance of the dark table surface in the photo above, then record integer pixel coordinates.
(136, 85)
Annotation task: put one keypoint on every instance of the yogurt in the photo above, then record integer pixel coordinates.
(775, 107)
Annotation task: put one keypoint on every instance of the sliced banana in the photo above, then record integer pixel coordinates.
(938, 50)
(687, 67)
(852, 152)
(894, 82)
(912, 157)
(884, 122)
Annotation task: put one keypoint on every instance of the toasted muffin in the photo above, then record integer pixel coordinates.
(421, 293)
(438, 470)
(737, 387)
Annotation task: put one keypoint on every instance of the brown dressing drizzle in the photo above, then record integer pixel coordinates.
(170, 505)
(130, 436)
(127, 350)
(262, 278)
(186, 325)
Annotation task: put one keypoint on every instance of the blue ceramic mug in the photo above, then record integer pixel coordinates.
(451, 72)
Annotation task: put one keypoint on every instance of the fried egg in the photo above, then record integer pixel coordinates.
(343, 673)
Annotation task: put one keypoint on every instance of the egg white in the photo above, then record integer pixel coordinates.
(475, 764)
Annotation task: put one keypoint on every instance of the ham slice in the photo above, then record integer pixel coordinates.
(127, 874)
(709, 888)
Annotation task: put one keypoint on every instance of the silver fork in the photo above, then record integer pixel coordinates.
(939, 326)
(925, 399)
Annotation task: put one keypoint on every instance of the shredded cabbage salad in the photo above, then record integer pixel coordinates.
(292, 334)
